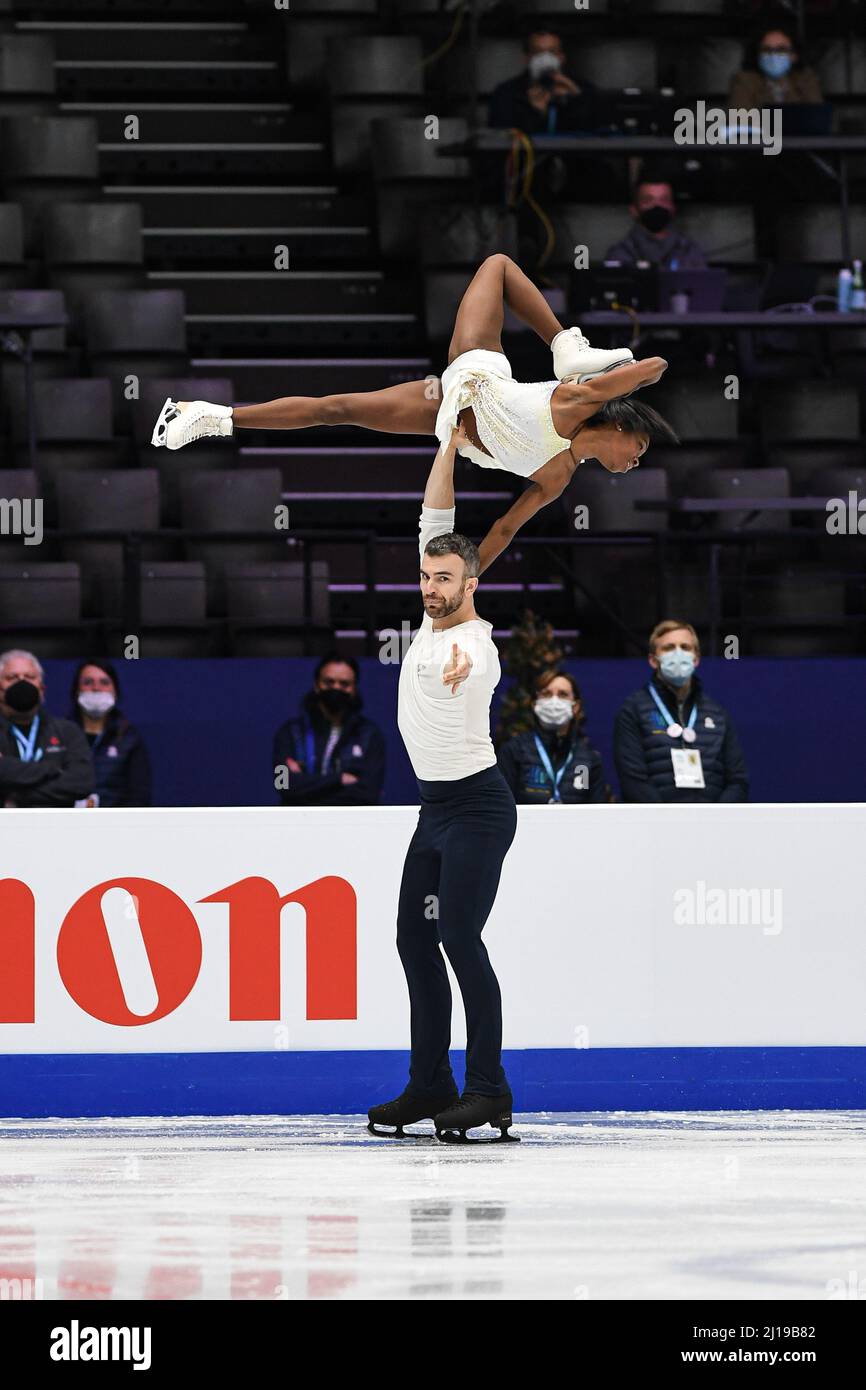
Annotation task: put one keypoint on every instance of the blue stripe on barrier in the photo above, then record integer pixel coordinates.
(294, 1083)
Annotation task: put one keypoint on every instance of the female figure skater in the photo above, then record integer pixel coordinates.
(538, 430)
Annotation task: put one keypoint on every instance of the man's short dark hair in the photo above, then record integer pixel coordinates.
(529, 30)
(334, 658)
(653, 173)
(635, 418)
(452, 543)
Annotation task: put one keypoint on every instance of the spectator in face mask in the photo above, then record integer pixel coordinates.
(655, 237)
(44, 761)
(543, 99)
(554, 764)
(334, 756)
(772, 75)
(120, 758)
(672, 741)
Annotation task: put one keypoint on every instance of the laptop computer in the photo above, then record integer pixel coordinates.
(599, 287)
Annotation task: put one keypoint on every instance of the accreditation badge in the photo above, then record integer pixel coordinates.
(688, 768)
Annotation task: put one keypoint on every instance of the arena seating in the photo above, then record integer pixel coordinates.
(146, 199)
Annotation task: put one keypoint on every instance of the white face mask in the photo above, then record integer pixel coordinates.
(543, 65)
(96, 702)
(552, 711)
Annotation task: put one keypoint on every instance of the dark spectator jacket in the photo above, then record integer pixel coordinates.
(524, 771)
(752, 88)
(121, 763)
(642, 748)
(509, 106)
(360, 750)
(60, 777)
(641, 245)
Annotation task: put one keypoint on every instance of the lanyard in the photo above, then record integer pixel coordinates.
(26, 745)
(665, 712)
(555, 778)
(327, 752)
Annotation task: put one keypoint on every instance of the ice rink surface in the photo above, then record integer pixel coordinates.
(710, 1205)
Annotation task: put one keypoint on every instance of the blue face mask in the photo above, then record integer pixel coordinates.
(774, 64)
(677, 666)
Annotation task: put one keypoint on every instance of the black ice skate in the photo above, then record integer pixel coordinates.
(408, 1109)
(471, 1111)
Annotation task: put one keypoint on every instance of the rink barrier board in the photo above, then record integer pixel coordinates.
(348, 1083)
(243, 960)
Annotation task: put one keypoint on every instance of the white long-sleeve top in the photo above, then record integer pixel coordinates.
(447, 733)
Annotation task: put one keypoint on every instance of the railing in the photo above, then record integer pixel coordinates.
(559, 550)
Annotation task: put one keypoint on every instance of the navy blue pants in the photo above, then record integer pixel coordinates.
(450, 880)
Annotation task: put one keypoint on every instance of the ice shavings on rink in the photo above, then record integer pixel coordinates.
(731, 1205)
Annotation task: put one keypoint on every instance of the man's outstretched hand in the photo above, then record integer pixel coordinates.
(457, 668)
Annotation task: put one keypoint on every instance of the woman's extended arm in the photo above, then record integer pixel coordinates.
(620, 382)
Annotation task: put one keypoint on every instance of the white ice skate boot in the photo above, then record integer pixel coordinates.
(575, 360)
(181, 424)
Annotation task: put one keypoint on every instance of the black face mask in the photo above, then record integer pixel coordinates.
(22, 696)
(336, 702)
(656, 218)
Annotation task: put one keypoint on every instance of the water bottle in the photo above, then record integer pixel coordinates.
(843, 291)
(858, 293)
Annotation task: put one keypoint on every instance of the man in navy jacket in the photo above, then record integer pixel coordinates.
(672, 741)
(334, 756)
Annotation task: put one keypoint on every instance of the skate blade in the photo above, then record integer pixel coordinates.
(398, 1133)
(169, 412)
(590, 376)
(460, 1136)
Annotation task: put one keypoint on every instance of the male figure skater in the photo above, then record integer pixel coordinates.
(465, 827)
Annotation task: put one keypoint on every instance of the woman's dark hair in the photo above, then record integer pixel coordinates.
(113, 716)
(635, 418)
(770, 26)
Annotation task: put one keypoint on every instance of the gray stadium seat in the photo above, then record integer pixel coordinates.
(40, 593)
(262, 600)
(373, 78)
(45, 340)
(403, 152)
(67, 408)
(173, 593)
(499, 59)
(809, 410)
(410, 176)
(725, 232)
(45, 159)
(706, 67)
(611, 498)
(841, 68)
(135, 321)
(235, 500)
(26, 67)
(134, 333)
(696, 408)
(11, 245)
(813, 232)
(93, 234)
(90, 500)
(378, 65)
(615, 63)
(750, 482)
